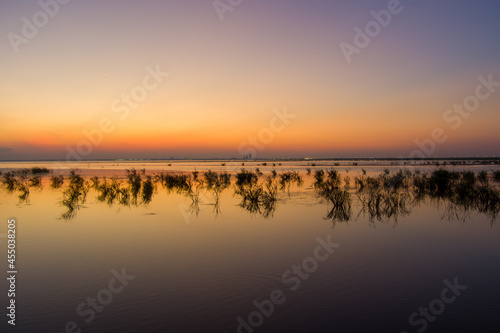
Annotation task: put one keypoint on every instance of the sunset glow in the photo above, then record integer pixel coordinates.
(222, 80)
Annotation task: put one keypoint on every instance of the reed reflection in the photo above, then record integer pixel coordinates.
(382, 198)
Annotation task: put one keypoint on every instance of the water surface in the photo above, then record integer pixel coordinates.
(199, 269)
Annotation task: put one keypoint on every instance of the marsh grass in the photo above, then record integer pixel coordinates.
(384, 197)
(24, 192)
(9, 181)
(483, 177)
(134, 182)
(111, 191)
(39, 170)
(94, 182)
(56, 181)
(172, 182)
(35, 181)
(147, 190)
(245, 177)
(288, 178)
(319, 177)
(339, 199)
(259, 198)
(385, 204)
(74, 196)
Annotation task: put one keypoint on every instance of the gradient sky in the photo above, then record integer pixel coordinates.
(226, 78)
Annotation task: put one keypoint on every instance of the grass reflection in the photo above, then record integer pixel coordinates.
(385, 197)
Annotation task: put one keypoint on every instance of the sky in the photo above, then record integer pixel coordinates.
(222, 79)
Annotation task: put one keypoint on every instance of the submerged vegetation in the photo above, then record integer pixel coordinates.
(385, 197)
(39, 170)
(338, 198)
(56, 181)
(74, 195)
(259, 198)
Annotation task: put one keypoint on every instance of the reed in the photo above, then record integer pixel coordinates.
(9, 181)
(245, 177)
(35, 181)
(56, 181)
(39, 170)
(74, 195)
(496, 176)
(147, 190)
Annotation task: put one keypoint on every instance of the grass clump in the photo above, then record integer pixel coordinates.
(39, 170)
(245, 177)
(496, 176)
(9, 181)
(56, 181)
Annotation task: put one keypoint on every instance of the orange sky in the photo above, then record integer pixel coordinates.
(225, 78)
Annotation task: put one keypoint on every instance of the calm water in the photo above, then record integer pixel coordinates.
(204, 268)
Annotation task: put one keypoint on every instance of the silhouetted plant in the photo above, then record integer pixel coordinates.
(496, 176)
(134, 183)
(94, 182)
(250, 195)
(180, 183)
(9, 181)
(483, 177)
(35, 181)
(74, 195)
(340, 199)
(259, 198)
(441, 181)
(245, 177)
(347, 182)
(383, 204)
(56, 181)
(469, 178)
(288, 178)
(319, 176)
(333, 177)
(109, 192)
(147, 190)
(269, 198)
(210, 178)
(38, 170)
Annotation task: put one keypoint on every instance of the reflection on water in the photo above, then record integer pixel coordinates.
(384, 197)
(74, 195)
(251, 227)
